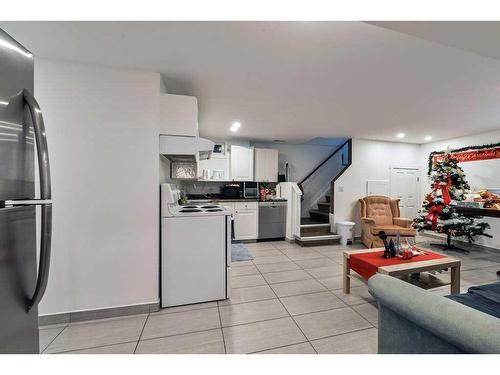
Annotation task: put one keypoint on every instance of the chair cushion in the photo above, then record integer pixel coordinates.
(379, 209)
(393, 230)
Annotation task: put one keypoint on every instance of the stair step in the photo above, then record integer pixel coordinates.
(317, 240)
(328, 198)
(315, 229)
(319, 215)
(324, 207)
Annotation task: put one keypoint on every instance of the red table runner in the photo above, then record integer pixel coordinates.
(367, 264)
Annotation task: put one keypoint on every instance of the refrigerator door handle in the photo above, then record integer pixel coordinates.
(41, 144)
(44, 262)
(45, 194)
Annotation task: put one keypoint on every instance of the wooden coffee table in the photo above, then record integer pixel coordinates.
(405, 269)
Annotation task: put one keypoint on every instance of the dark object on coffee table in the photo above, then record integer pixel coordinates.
(390, 248)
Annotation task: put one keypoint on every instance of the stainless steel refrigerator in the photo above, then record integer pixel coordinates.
(22, 133)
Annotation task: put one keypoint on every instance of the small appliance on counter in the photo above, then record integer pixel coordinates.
(250, 190)
(232, 191)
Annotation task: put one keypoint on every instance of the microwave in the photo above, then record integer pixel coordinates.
(250, 190)
(232, 191)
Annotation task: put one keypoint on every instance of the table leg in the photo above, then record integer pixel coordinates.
(455, 280)
(346, 285)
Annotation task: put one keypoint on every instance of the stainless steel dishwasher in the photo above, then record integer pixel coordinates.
(272, 219)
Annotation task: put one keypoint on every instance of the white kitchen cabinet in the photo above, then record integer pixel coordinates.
(241, 163)
(245, 224)
(178, 115)
(266, 165)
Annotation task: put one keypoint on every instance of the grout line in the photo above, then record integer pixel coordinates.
(51, 341)
(221, 330)
(283, 346)
(290, 315)
(341, 334)
(182, 334)
(240, 303)
(142, 330)
(159, 313)
(92, 347)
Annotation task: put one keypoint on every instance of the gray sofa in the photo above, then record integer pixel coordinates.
(413, 320)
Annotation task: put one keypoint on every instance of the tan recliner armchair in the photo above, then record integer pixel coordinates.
(379, 213)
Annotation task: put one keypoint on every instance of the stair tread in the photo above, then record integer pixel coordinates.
(321, 213)
(325, 237)
(324, 204)
(315, 225)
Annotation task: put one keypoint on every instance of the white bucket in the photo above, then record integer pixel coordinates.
(346, 231)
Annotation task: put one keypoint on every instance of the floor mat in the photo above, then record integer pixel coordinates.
(239, 253)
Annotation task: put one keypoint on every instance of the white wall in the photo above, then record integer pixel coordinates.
(301, 158)
(371, 160)
(102, 129)
(480, 174)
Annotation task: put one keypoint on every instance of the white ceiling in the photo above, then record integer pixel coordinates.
(297, 80)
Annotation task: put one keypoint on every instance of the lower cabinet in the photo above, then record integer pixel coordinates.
(246, 219)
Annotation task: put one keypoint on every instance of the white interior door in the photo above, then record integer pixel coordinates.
(404, 184)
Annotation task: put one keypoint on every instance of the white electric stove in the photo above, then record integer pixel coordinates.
(195, 251)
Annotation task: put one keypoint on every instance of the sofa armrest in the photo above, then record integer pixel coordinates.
(431, 316)
(367, 220)
(402, 222)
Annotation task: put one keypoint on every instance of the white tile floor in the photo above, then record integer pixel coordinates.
(287, 300)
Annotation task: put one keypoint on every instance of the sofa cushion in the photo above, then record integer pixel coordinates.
(485, 298)
(393, 230)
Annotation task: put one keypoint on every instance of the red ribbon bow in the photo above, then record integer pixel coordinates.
(433, 215)
(444, 190)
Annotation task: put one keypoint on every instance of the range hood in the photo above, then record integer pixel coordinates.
(178, 148)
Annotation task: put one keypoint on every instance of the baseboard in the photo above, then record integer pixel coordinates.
(113, 312)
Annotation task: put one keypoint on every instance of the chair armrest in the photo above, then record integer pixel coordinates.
(402, 222)
(470, 330)
(367, 220)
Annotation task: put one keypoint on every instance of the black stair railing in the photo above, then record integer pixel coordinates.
(346, 165)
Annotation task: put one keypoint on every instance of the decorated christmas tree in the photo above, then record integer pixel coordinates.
(439, 212)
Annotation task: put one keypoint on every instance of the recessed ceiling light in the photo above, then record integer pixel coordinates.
(235, 126)
(400, 135)
(427, 138)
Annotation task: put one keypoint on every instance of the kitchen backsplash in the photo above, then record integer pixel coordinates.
(201, 187)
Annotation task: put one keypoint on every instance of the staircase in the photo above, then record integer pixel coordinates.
(315, 230)
(322, 213)
(316, 234)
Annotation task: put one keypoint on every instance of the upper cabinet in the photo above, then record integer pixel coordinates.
(241, 161)
(178, 115)
(266, 165)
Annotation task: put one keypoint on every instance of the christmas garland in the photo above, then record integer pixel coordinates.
(467, 148)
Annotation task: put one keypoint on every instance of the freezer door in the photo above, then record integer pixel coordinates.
(16, 132)
(18, 327)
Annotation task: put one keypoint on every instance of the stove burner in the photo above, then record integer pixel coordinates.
(191, 210)
(190, 206)
(210, 206)
(214, 210)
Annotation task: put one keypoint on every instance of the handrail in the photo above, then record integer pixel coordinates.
(324, 161)
(332, 183)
